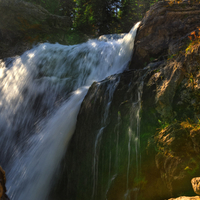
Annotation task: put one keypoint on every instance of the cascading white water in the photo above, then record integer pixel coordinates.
(40, 96)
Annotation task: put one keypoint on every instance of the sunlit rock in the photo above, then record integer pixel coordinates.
(196, 185)
(162, 26)
(186, 198)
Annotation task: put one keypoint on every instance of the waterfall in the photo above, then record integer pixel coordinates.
(40, 96)
(134, 139)
(109, 90)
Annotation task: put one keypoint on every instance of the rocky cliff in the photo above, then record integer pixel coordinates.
(146, 146)
(23, 25)
(162, 28)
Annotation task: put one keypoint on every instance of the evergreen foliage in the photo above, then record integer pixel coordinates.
(97, 17)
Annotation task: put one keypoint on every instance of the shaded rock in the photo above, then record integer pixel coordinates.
(176, 159)
(171, 76)
(23, 24)
(196, 185)
(162, 26)
(195, 136)
(180, 70)
(3, 190)
(178, 141)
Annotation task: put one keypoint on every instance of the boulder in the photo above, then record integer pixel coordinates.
(163, 25)
(196, 185)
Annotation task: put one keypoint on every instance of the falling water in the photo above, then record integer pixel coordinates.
(109, 90)
(134, 137)
(40, 96)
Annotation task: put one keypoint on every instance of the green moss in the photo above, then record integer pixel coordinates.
(192, 170)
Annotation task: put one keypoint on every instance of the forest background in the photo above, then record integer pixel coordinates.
(92, 18)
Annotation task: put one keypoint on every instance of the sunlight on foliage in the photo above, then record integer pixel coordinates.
(163, 125)
(190, 124)
(194, 41)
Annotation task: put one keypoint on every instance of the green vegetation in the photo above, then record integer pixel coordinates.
(97, 17)
(192, 167)
(194, 41)
(163, 124)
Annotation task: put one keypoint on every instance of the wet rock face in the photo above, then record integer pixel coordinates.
(161, 27)
(23, 24)
(96, 162)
